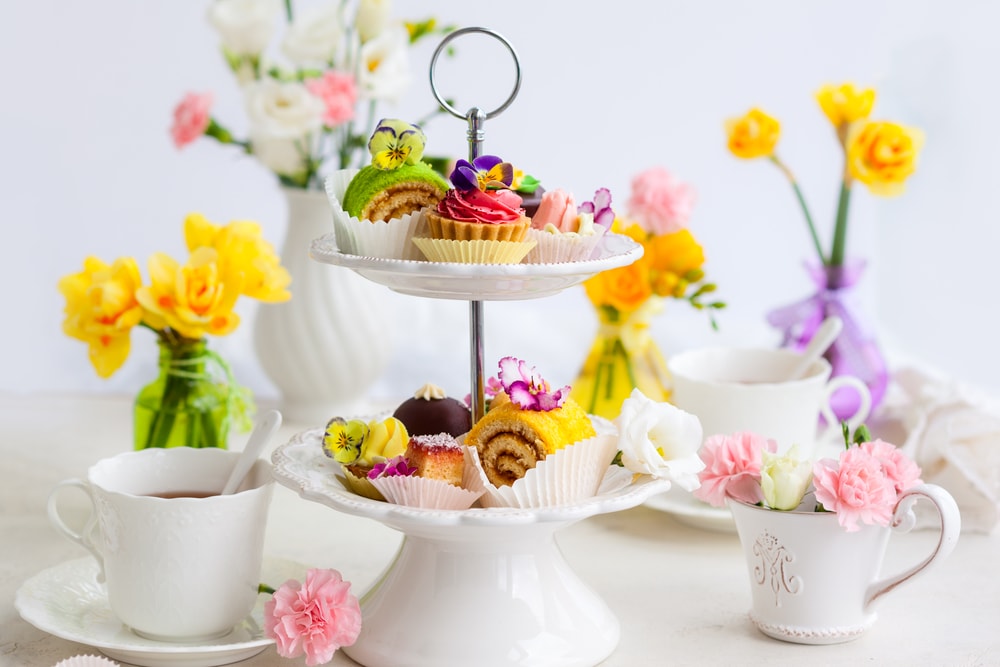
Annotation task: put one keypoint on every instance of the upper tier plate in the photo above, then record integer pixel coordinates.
(478, 282)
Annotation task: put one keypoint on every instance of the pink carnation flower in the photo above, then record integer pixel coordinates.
(314, 619)
(732, 468)
(191, 118)
(855, 487)
(904, 473)
(338, 93)
(660, 203)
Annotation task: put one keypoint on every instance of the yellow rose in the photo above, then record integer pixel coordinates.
(194, 299)
(242, 249)
(753, 135)
(844, 104)
(624, 288)
(676, 253)
(101, 309)
(882, 155)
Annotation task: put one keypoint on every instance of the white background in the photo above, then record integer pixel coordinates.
(609, 89)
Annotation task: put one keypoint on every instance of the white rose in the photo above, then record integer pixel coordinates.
(784, 479)
(245, 26)
(315, 37)
(283, 116)
(659, 439)
(384, 66)
(372, 18)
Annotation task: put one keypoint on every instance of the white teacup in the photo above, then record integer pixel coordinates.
(181, 562)
(747, 389)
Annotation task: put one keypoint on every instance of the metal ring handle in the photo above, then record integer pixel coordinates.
(464, 31)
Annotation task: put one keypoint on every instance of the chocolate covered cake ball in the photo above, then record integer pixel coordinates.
(430, 412)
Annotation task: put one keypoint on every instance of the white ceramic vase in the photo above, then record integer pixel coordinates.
(330, 342)
(812, 582)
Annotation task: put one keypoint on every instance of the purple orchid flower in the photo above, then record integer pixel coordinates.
(397, 466)
(485, 172)
(600, 208)
(527, 388)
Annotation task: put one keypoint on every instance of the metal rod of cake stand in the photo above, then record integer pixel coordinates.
(476, 118)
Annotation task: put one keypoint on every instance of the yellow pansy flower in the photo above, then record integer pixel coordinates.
(882, 155)
(101, 309)
(845, 104)
(753, 135)
(243, 250)
(194, 299)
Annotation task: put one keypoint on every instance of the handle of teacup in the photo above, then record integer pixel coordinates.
(86, 538)
(833, 428)
(903, 520)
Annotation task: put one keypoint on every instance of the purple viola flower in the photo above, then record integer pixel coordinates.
(397, 466)
(485, 172)
(600, 208)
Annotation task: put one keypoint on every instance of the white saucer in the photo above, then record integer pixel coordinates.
(690, 511)
(66, 601)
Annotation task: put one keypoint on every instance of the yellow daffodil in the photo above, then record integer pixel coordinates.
(194, 299)
(242, 249)
(845, 104)
(101, 310)
(753, 135)
(882, 155)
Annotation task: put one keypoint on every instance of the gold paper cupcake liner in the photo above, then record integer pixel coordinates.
(473, 252)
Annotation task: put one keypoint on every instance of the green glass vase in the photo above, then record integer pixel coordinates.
(185, 406)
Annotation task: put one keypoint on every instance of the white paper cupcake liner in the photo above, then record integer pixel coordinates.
(425, 493)
(473, 252)
(558, 248)
(571, 474)
(387, 239)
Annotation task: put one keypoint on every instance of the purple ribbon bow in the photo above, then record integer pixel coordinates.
(855, 351)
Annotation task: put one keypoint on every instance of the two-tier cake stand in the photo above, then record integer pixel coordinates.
(483, 586)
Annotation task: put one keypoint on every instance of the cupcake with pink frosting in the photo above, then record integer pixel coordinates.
(480, 220)
(565, 232)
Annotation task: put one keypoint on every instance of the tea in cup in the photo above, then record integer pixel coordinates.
(181, 562)
(748, 389)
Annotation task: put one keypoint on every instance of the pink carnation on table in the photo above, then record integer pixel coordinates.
(191, 118)
(338, 93)
(732, 468)
(904, 473)
(314, 619)
(855, 487)
(659, 202)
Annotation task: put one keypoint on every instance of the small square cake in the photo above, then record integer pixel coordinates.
(437, 456)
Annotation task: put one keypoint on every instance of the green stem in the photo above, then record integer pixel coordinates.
(802, 203)
(620, 349)
(840, 229)
(288, 10)
(264, 588)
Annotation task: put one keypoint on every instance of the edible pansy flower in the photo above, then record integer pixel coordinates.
(397, 466)
(600, 208)
(343, 439)
(526, 387)
(486, 172)
(395, 143)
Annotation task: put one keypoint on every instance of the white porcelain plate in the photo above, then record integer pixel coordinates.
(692, 512)
(66, 601)
(301, 465)
(478, 282)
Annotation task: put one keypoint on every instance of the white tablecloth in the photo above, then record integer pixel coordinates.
(681, 593)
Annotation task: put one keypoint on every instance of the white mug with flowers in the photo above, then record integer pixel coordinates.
(814, 533)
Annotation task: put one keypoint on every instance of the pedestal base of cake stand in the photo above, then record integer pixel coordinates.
(487, 596)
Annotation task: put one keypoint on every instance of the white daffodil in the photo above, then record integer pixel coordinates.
(384, 66)
(659, 439)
